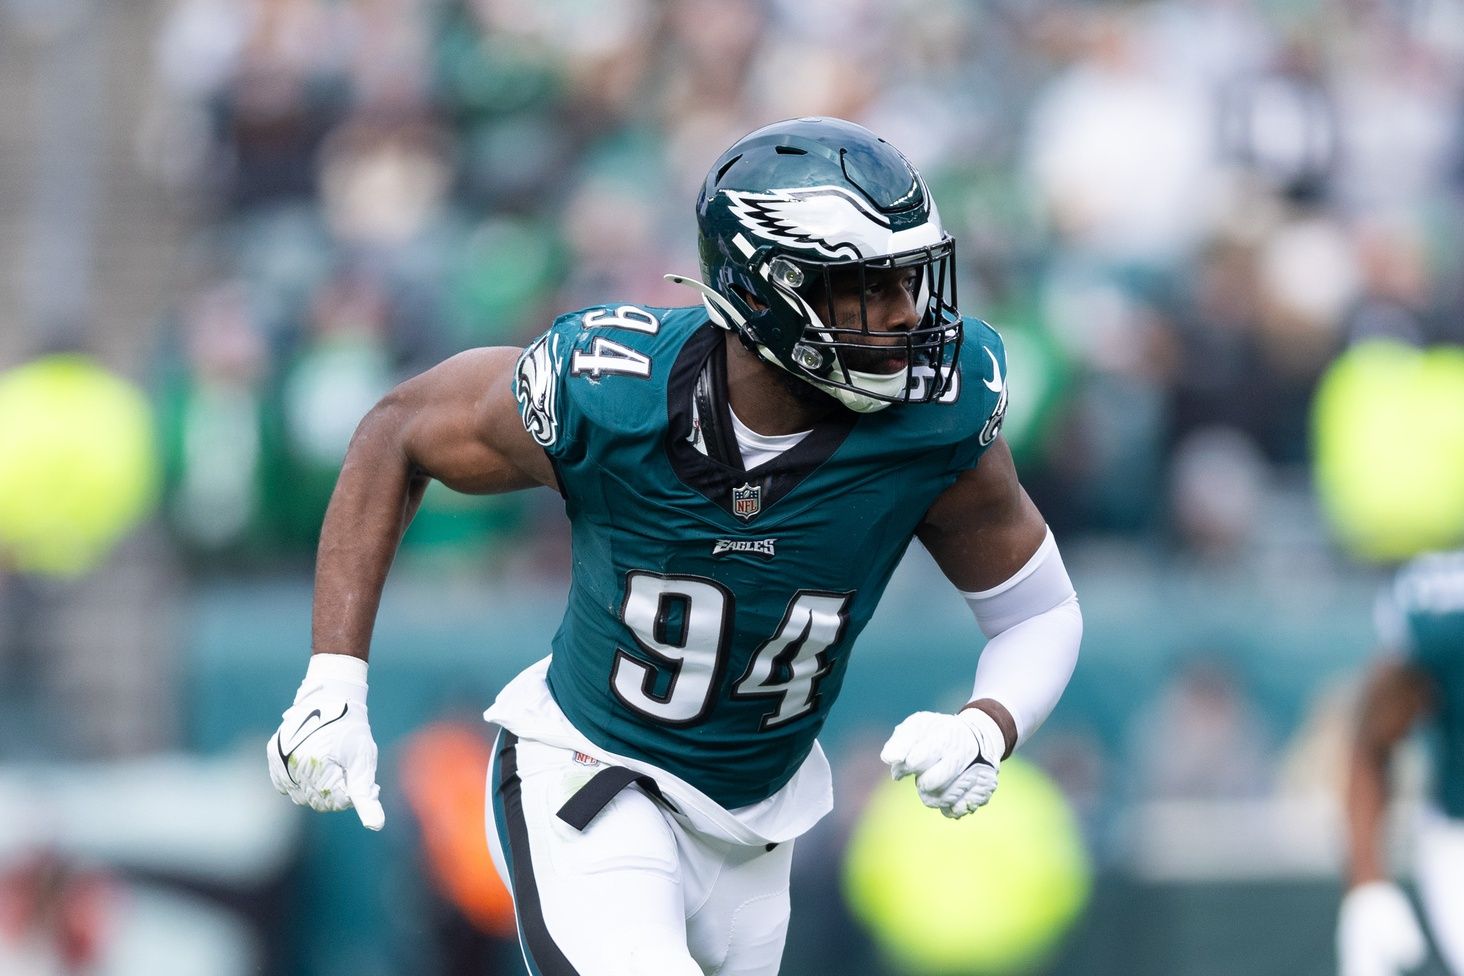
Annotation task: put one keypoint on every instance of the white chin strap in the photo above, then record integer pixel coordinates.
(725, 316)
(885, 384)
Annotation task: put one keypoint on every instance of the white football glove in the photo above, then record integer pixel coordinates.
(1377, 932)
(322, 756)
(953, 758)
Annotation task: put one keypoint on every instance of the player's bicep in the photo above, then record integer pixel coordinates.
(1396, 695)
(461, 425)
(983, 529)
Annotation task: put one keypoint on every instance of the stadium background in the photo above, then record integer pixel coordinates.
(227, 226)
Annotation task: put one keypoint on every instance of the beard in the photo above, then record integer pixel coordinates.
(804, 391)
(880, 360)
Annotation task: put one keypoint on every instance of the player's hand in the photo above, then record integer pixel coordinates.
(953, 758)
(1377, 932)
(322, 756)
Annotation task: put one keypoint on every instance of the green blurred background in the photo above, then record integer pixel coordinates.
(1221, 239)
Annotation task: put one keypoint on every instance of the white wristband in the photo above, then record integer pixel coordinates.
(338, 675)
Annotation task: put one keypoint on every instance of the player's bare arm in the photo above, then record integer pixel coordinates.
(1395, 697)
(991, 542)
(984, 528)
(981, 531)
(1377, 930)
(458, 423)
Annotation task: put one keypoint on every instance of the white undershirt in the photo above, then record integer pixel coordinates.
(758, 448)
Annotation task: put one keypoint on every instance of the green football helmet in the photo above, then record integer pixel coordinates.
(798, 205)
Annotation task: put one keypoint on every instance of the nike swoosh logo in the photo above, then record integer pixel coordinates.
(995, 383)
(286, 754)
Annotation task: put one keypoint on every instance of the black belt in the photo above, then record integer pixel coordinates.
(603, 787)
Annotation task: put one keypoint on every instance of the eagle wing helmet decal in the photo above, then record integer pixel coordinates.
(826, 220)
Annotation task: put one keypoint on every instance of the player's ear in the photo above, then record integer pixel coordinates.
(750, 299)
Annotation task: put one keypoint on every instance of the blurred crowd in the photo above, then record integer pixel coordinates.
(1177, 213)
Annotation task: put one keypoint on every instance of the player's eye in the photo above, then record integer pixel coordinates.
(907, 281)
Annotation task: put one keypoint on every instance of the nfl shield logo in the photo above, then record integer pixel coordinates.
(747, 501)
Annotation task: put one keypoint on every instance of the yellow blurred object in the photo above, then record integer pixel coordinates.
(1388, 436)
(991, 893)
(78, 465)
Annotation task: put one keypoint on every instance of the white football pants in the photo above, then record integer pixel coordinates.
(1438, 870)
(634, 893)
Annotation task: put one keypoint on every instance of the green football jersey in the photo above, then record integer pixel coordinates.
(712, 610)
(1429, 597)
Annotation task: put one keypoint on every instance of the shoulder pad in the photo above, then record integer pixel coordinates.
(601, 366)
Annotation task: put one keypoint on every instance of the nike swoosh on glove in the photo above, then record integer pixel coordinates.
(1377, 932)
(954, 758)
(323, 756)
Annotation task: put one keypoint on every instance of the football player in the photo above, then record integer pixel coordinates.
(1419, 684)
(741, 478)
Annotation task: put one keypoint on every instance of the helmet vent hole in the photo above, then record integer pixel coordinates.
(726, 166)
(790, 151)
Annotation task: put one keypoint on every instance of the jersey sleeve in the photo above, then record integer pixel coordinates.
(1391, 623)
(984, 372)
(597, 377)
(1428, 603)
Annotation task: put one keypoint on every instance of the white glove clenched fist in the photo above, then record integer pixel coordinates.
(322, 756)
(1377, 932)
(953, 758)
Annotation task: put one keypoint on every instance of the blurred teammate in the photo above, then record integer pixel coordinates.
(1421, 619)
(741, 478)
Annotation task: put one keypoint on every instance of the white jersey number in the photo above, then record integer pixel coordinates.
(684, 623)
(607, 356)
